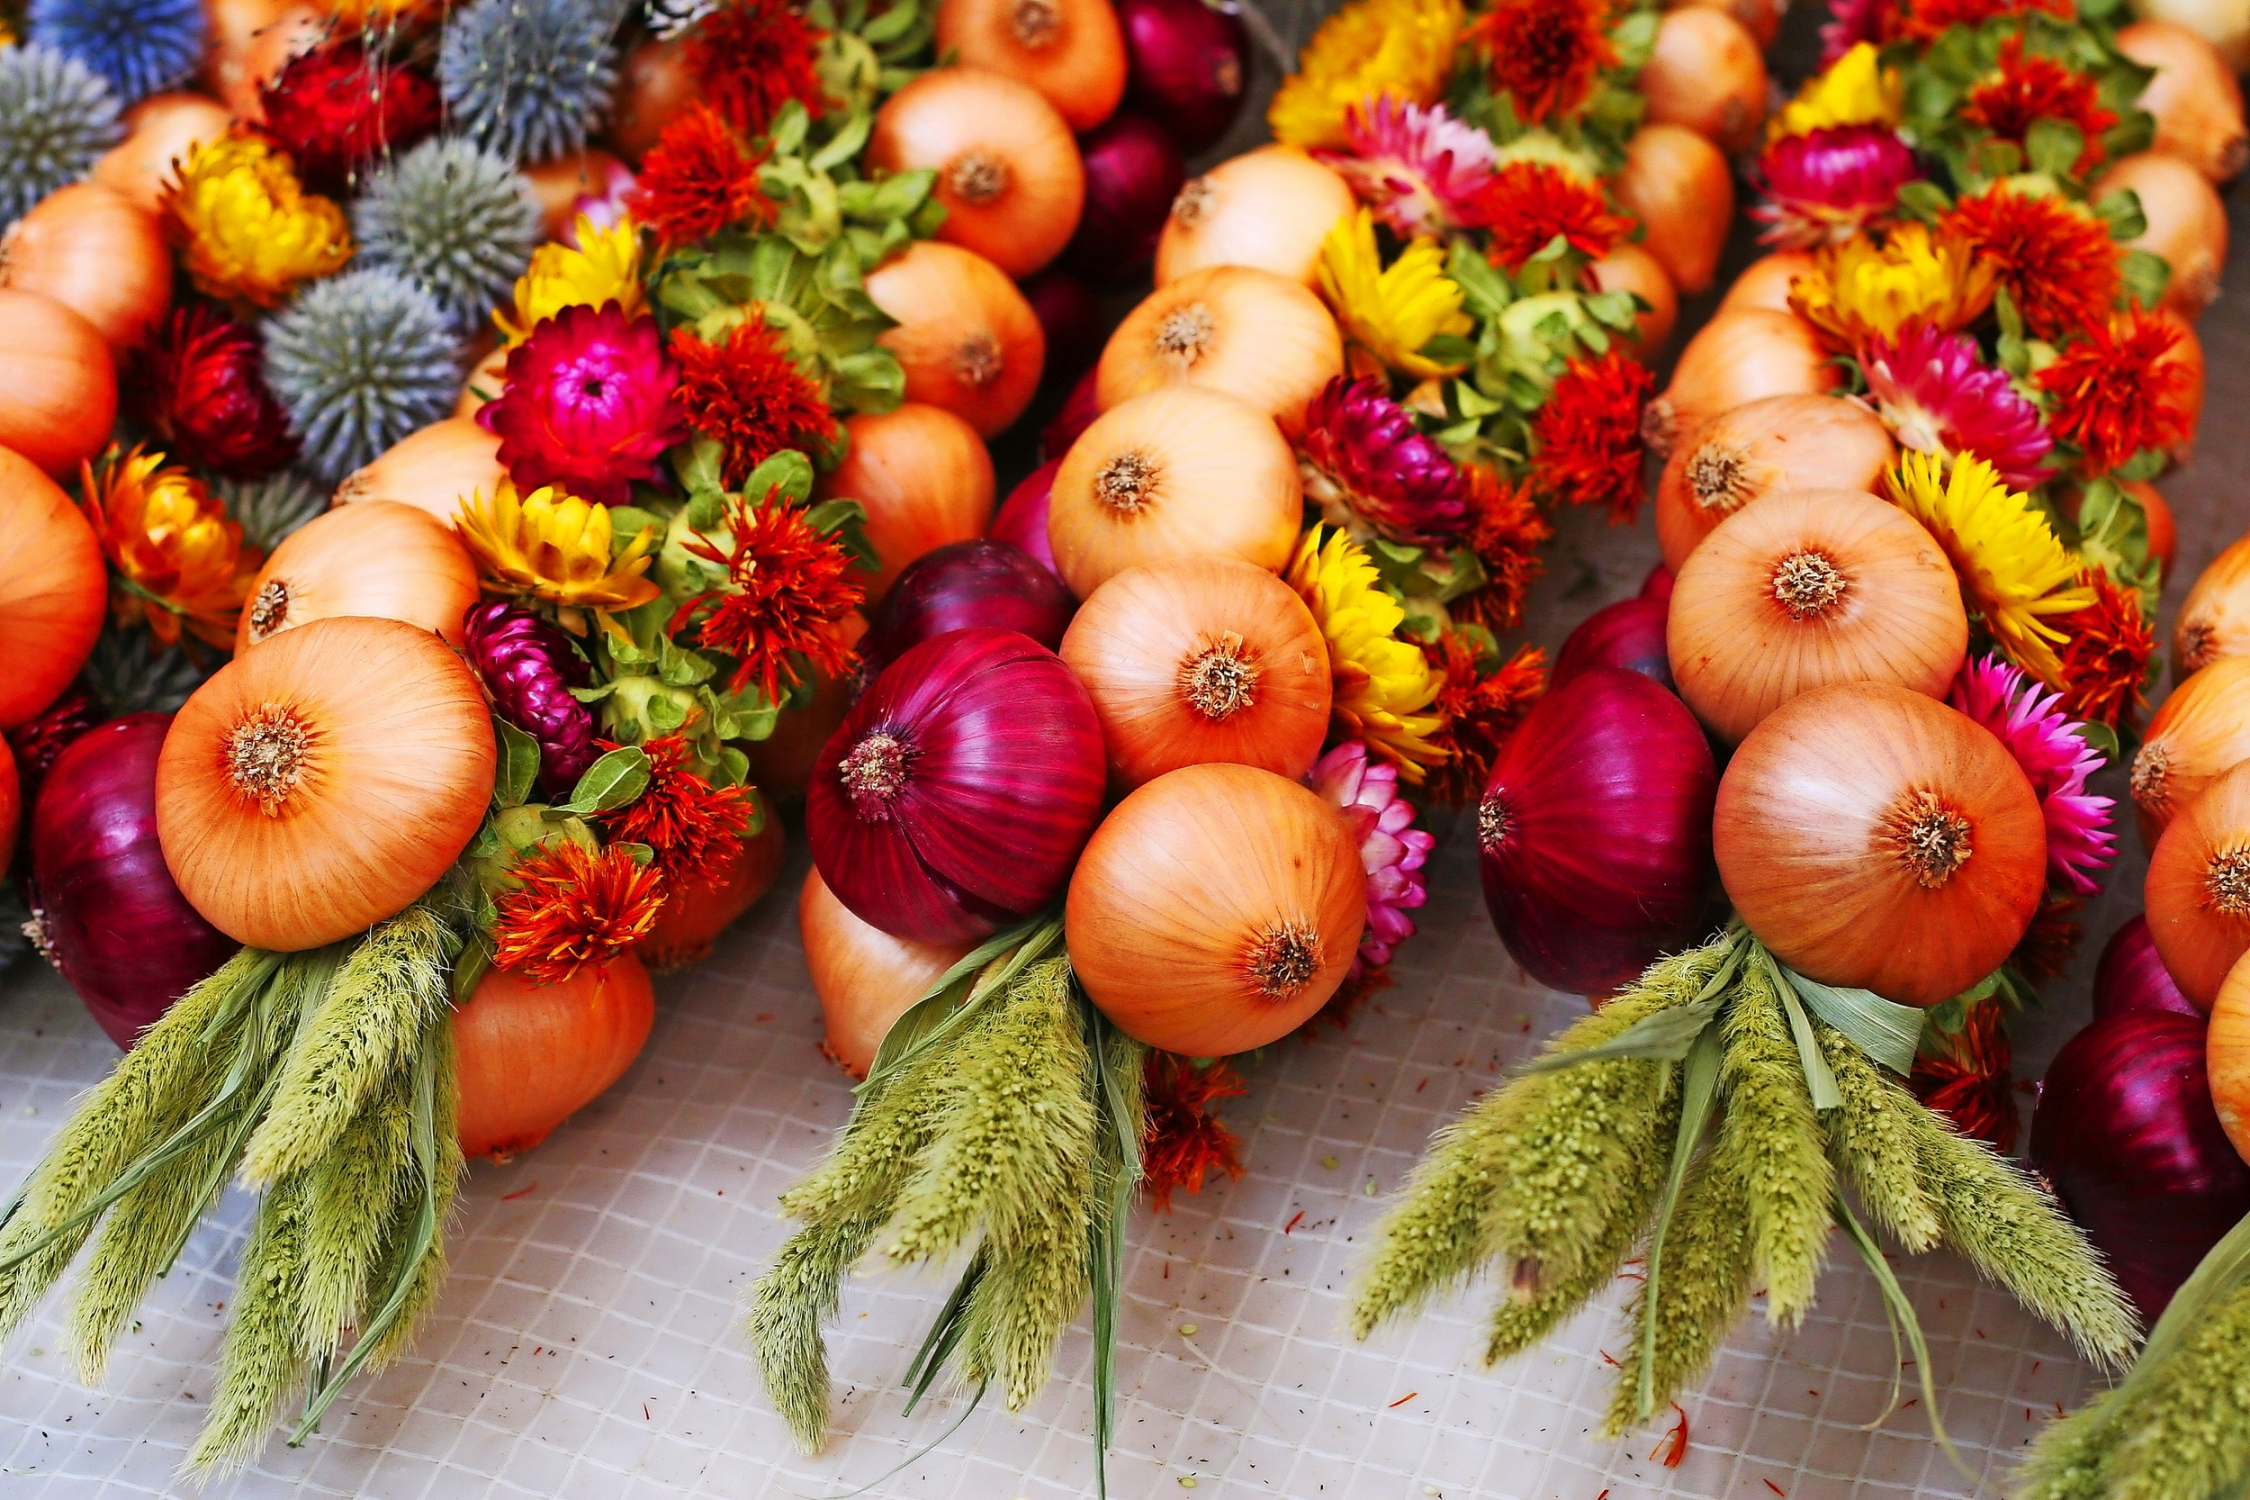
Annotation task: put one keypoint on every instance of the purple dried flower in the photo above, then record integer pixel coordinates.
(529, 668)
(1369, 469)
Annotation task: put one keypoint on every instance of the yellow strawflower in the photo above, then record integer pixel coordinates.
(246, 228)
(1860, 288)
(1382, 684)
(178, 561)
(1390, 313)
(2012, 569)
(1370, 48)
(605, 268)
(1854, 90)
(552, 546)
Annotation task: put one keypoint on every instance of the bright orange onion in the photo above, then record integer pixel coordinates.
(924, 476)
(1779, 443)
(1071, 51)
(1629, 268)
(1201, 659)
(2163, 530)
(1733, 361)
(1874, 838)
(59, 396)
(2226, 1058)
(159, 131)
(1806, 589)
(1708, 74)
(433, 470)
(1678, 185)
(2198, 890)
(2194, 97)
(379, 559)
(696, 913)
(2187, 224)
(2215, 617)
(529, 1056)
(53, 589)
(1007, 167)
(1249, 333)
(966, 337)
(865, 978)
(1761, 18)
(1268, 209)
(323, 782)
(1215, 910)
(1180, 472)
(252, 40)
(99, 254)
(1764, 283)
(2200, 731)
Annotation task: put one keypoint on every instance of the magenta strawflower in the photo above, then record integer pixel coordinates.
(2054, 759)
(1369, 469)
(1828, 185)
(1940, 397)
(1391, 852)
(589, 405)
(1418, 168)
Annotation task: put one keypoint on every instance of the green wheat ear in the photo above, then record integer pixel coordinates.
(1704, 1290)
(1872, 1138)
(1773, 1144)
(261, 1362)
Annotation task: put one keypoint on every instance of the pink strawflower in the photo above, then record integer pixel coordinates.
(605, 203)
(1369, 469)
(1849, 23)
(589, 405)
(1940, 397)
(1829, 184)
(2054, 759)
(1418, 168)
(1390, 851)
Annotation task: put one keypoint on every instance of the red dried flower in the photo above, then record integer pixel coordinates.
(1927, 20)
(37, 741)
(2055, 258)
(1505, 532)
(2106, 654)
(199, 386)
(1185, 1140)
(335, 109)
(1528, 203)
(1971, 1083)
(1544, 52)
(2114, 392)
(787, 586)
(1587, 436)
(699, 180)
(692, 825)
(750, 57)
(1481, 710)
(2025, 89)
(572, 907)
(749, 396)
(2051, 941)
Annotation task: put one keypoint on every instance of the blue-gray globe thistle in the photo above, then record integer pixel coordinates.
(56, 119)
(529, 79)
(273, 507)
(360, 361)
(457, 221)
(139, 46)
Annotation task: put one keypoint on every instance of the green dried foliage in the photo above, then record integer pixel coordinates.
(787, 1307)
(261, 1362)
(353, 1195)
(1704, 1290)
(1873, 1140)
(1771, 1142)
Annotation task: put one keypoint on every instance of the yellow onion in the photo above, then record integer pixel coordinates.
(966, 337)
(2198, 888)
(1779, 443)
(1268, 209)
(697, 911)
(2215, 617)
(1733, 361)
(487, 378)
(558, 185)
(1008, 171)
(924, 476)
(2201, 730)
(98, 253)
(654, 86)
(160, 130)
(54, 589)
(2187, 224)
(1629, 268)
(59, 396)
(1706, 73)
(1677, 184)
(379, 559)
(1071, 51)
(1764, 283)
(865, 978)
(433, 470)
(529, 1056)
(1249, 333)
(2194, 98)
(1761, 18)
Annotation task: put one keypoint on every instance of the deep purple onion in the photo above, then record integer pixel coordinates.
(529, 667)
(1022, 520)
(1186, 65)
(1628, 634)
(2131, 976)
(1079, 410)
(1658, 584)
(956, 795)
(1070, 319)
(2127, 1134)
(964, 584)
(1133, 172)
(1594, 833)
(110, 917)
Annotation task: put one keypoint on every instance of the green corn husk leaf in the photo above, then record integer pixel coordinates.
(1773, 1144)
(260, 1364)
(1704, 1291)
(1871, 1142)
(353, 1196)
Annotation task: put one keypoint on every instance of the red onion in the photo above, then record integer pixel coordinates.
(1186, 64)
(1658, 584)
(1628, 634)
(1133, 172)
(1594, 834)
(1022, 521)
(955, 797)
(2127, 1134)
(1079, 410)
(111, 918)
(2132, 976)
(1070, 320)
(961, 584)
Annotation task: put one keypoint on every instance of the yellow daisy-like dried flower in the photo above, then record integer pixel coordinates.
(1383, 685)
(606, 267)
(1854, 90)
(178, 562)
(2013, 571)
(1370, 49)
(1859, 288)
(557, 547)
(246, 228)
(1390, 313)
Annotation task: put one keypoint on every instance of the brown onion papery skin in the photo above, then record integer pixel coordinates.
(159, 130)
(54, 589)
(1629, 268)
(1799, 841)
(1133, 641)
(379, 559)
(1778, 443)
(781, 764)
(1078, 65)
(1764, 283)
(695, 914)
(865, 978)
(2187, 224)
(924, 476)
(2189, 917)
(2226, 1056)
(1184, 878)
(1706, 73)
(1733, 361)
(2200, 730)
(2215, 617)
(2194, 97)
(529, 1056)
(968, 340)
(1267, 209)
(1737, 652)
(947, 115)
(60, 395)
(433, 470)
(1678, 185)
(1268, 341)
(1225, 483)
(98, 253)
(397, 778)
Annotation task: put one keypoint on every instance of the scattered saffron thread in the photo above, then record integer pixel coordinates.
(518, 1193)
(1401, 1401)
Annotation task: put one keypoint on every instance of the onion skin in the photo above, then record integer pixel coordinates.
(1629, 634)
(1260, 337)
(1133, 172)
(54, 589)
(1185, 67)
(119, 928)
(1267, 209)
(2187, 224)
(530, 1056)
(160, 130)
(926, 480)
(2199, 731)
(98, 253)
(1629, 268)
(964, 584)
(2225, 24)
(2127, 1133)
(11, 805)
(1778, 443)
(1761, 18)
(951, 119)
(1708, 74)
(1000, 785)
(1177, 888)
(2187, 353)
(1022, 520)
(60, 397)
(2194, 97)
(865, 978)
(966, 337)
(1799, 833)
(1077, 62)
(694, 915)
(1678, 185)
(433, 470)
(2131, 975)
(2214, 619)
(1764, 283)
(1594, 833)
(1733, 361)
(2197, 914)
(378, 559)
